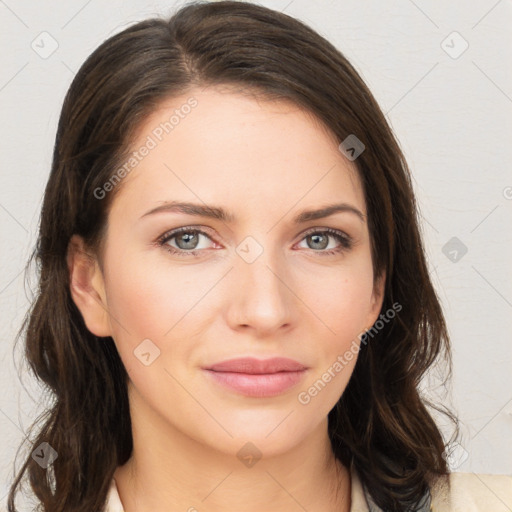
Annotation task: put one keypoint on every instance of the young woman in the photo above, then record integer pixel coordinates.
(234, 310)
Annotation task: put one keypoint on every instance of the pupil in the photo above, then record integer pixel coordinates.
(188, 239)
(315, 241)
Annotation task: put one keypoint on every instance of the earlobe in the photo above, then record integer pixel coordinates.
(87, 287)
(378, 290)
(377, 298)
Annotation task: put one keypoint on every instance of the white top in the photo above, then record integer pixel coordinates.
(470, 492)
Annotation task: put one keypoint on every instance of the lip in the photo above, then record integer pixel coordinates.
(255, 377)
(252, 365)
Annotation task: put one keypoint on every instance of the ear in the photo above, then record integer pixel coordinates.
(87, 287)
(377, 299)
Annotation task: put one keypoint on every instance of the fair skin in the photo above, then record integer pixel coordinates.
(264, 162)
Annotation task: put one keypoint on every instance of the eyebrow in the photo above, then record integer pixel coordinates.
(218, 213)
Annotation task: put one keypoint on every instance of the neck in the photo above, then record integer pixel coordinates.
(169, 470)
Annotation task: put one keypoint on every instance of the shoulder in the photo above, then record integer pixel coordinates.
(472, 492)
(113, 501)
(456, 492)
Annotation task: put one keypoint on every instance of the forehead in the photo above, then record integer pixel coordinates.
(219, 145)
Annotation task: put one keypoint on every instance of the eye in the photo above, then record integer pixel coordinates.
(320, 241)
(187, 240)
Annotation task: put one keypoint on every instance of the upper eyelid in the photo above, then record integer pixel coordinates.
(168, 235)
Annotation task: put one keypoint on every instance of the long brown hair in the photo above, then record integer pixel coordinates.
(381, 423)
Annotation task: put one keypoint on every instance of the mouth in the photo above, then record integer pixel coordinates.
(257, 378)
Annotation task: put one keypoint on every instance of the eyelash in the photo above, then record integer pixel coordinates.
(344, 240)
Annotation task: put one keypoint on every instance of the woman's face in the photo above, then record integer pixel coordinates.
(259, 283)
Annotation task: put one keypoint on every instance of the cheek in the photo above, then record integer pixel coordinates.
(148, 300)
(342, 304)
(166, 304)
(155, 303)
(342, 301)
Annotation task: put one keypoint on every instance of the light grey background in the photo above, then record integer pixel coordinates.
(449, 106)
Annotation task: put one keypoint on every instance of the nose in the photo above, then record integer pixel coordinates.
(262, 298)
